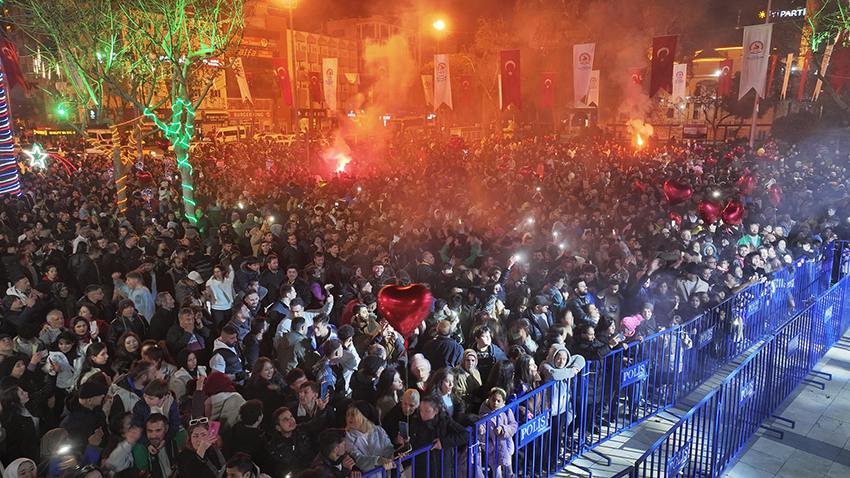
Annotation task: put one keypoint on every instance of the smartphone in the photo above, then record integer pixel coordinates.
(324, 394)
(214, 428)
(402, 430)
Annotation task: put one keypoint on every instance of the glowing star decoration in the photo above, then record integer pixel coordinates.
(37, 157)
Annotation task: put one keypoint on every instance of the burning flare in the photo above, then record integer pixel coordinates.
(639, 141)
(341, 161)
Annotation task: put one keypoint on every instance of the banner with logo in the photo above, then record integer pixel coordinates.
(283, 77)
(755, 57)
(428, 88)
(329, 67)
(663, 52)
(582, 68)
(680, 79)
(239, 70)
(724, 83)
(548, 98)
(593, 89)
(633, 85)
(509, 81)
(442, 82)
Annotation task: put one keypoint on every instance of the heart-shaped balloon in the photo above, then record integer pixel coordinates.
(676, 191)
(729, 158)
(774, 195)
(709, 210)
(711, 162)
(733, 213)
(747, 183)
(405, 307)
(739, 151)
(145, 178)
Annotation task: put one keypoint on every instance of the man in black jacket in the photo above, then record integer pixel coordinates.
(163, 318)
(86, 419)
(443, 351)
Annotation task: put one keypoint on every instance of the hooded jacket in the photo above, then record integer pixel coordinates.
(548, 371)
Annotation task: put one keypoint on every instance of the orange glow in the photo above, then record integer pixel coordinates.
(439, 25)
(639, 141)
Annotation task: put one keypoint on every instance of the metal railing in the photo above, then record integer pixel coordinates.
(649, 377)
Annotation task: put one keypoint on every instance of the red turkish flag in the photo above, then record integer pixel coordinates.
(803, 75)
(11, 65)
(548, 98)
(663, 51)
(511, 86)
(724, 83)
(633, 85)
(839, 68)
(315, 87)
(466, 91)
(773, 59)
(283, 77)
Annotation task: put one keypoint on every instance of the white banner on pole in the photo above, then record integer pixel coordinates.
(680, 80)
(329, 69)
(582, 70)
(442, 82)
(593, 89)
(754, 63)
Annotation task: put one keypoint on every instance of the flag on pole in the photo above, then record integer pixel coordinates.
(788, 61)
(466, 91)
(840, 73)
(442, 82)
(663, 51)
(772, 71)
(593, 89)
(239, 70)
(633, 85)
(680, 79)
(315, 87)
(754, 61)
(548, 97)
(329, 66)
(724, 83)
(823, 69)
(428, 88)
(283, 78)
(14, 75)
(803, 75)
(582, 68)
(511, 88)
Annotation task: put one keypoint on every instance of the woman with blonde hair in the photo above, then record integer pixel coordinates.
(366, 442)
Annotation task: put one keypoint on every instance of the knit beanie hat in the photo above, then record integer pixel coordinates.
(218, 382)
(92, 389)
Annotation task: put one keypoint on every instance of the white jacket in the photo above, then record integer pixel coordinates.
(180, 379)
(224, 407)
(66, 377)
(366, 448)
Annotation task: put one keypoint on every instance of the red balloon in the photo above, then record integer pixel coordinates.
(640, 186)
(709, 210)
(729, 158)
(739, 151)
(711, 162)
(676, 192)
(733, 213)
(774, 195)
(747, 183)
(405, 307)
(145, 178)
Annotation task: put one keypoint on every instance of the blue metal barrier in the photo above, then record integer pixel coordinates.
(709, 437)
(649, 377)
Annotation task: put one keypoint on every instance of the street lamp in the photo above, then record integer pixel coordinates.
(439, 25)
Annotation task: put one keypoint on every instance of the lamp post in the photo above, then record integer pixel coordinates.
(291, 4)
(440, 27)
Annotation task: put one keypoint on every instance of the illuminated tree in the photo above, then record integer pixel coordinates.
(157, 55)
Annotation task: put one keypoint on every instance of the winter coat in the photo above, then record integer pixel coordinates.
(179, 380)
(190, 465)
(561, 402)
(367, 447)
(224, 407)
(500, 448)
(451, 434)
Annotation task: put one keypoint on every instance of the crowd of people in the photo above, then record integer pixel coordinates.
(248, 338)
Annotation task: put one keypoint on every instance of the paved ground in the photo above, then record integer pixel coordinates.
(818, 446)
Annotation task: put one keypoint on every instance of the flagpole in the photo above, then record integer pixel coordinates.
(756, 102)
